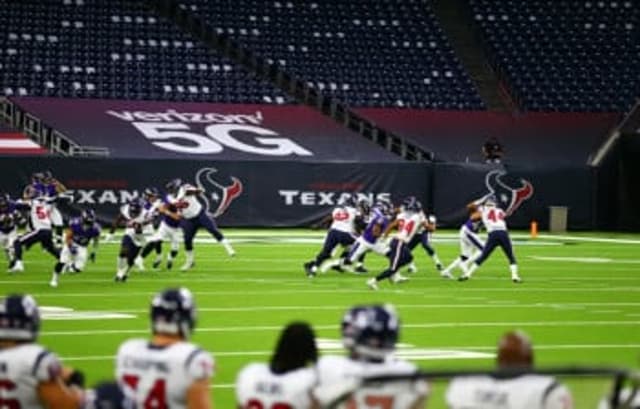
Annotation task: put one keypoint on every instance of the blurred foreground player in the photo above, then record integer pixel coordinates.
(369, 333)
(167, 371)
(287, 380)
(30, 376)
(516, 390)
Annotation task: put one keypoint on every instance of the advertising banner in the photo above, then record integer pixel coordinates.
(276, 194)
(199, 131)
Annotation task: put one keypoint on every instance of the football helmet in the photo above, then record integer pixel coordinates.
(371, 331)
(19, 318)
(109, 395)
(150, 192)
(88, 217)
(490, 201)
(47, 176)
(384, 205)
(135, 208)
(4, 202)
(173, 185)
(349, 201)
(412, 204)
(364, 206)
(173, 311)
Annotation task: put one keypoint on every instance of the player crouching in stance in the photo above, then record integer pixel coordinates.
(408, 221)
(285, 382)
(369, 334)
(32, 377)
(135, 219)
(471, 244)
(516, 389)
(167, 371)
(497, 236)
(73, 257)
(194, 216)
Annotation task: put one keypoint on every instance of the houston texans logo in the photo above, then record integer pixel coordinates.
(218, 196)
(511, 192)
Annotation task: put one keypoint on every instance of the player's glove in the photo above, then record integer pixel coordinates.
(92, 256)
(75, 378)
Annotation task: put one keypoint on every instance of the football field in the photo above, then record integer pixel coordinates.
(579, 302)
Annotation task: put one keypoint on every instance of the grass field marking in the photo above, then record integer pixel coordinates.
(55, 313)
(589, 260)
(259, 328)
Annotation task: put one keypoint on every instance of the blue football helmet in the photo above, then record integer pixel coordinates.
(4, 202)
(88, 217)
(135, 207)
(412, 204)
(19, 318)
(173, 311)
(364, 206)
(371, 331)
(173, 185)
(109, 395)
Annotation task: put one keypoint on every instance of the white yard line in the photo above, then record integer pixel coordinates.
(258, 328)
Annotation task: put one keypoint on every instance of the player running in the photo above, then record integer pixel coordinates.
(341, 232)
(407, 222)
(75, 251)
(471, 244)
(493, 219)
(135, 219)
(423, 237)
(9, 217)
(40, 222)
(167, 371)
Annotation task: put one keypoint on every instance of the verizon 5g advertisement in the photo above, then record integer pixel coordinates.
(198, 131)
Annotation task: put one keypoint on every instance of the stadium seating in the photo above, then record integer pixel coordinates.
(115, 49)
(365, 53)
(565, 55)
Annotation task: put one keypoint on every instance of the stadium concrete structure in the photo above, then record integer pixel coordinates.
(302, 102)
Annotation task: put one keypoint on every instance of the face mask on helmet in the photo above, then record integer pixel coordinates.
(173, 312)
(173, 186)
(371, 332)
(19, 318)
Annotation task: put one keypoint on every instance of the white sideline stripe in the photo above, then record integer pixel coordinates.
(490, 304)
(465, 348)
(586, 259)
(590, 239)
(332, 326)
(422, 291)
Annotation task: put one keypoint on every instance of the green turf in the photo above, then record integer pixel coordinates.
(579, 311)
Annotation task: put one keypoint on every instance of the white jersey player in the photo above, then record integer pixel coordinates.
(471, 244)
(369, 333)
(407, 223)
(135, 218)
(30, 376)
(195, 216)
(40, 232)
(288, 379)
(168, 371)
(342, 232)
(524, 391)
(168, 229)
(493, 218)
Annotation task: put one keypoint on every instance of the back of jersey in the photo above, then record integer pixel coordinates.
(388, 395)
(493, 218)
(522, 392)
(40, 214)
(22, 368)
(258, 387)
(159, 377)
(343, 219)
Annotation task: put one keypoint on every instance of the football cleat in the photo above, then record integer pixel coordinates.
(17, 267)
(139, 262)
(463, 278)
(169, 264)
(187, 266)
(372, 283)
(308, 268)
(120, 279)
(337, 268)
(156, 264)
(361, 270)
(53, 283)
(439, 267)
(446, 275)
(398, 278)
(516, 279)
(412, 269)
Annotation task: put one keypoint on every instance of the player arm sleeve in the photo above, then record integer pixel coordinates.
(557, 396)
(200, 365)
